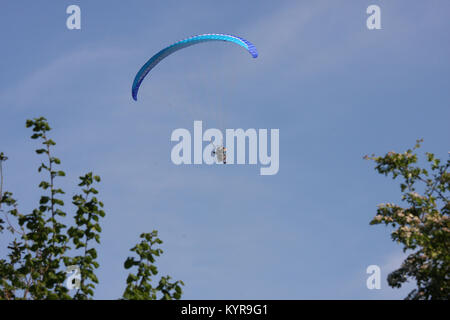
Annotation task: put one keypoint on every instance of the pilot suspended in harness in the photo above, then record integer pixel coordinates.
(221, 154)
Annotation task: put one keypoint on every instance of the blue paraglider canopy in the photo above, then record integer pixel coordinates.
(153, 61)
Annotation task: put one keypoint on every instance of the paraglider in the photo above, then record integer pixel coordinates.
(154, 60)
(220, 152)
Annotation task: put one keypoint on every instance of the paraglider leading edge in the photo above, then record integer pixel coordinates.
(153, 61)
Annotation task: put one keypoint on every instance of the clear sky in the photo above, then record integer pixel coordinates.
(335, 89)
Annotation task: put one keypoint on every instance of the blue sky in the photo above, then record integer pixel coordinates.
(335, 89)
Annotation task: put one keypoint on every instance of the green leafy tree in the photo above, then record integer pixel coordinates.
(40, 253)
(421, 224)
(138, 285)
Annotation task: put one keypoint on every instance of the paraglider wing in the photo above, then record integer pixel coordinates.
(153, 61)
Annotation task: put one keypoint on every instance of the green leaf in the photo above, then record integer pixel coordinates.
(129, 263)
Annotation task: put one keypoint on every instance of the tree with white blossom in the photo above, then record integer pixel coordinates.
(421, 224)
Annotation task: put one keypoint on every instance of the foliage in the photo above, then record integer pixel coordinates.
(40, 254)
(422, 225)
(138, 285)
